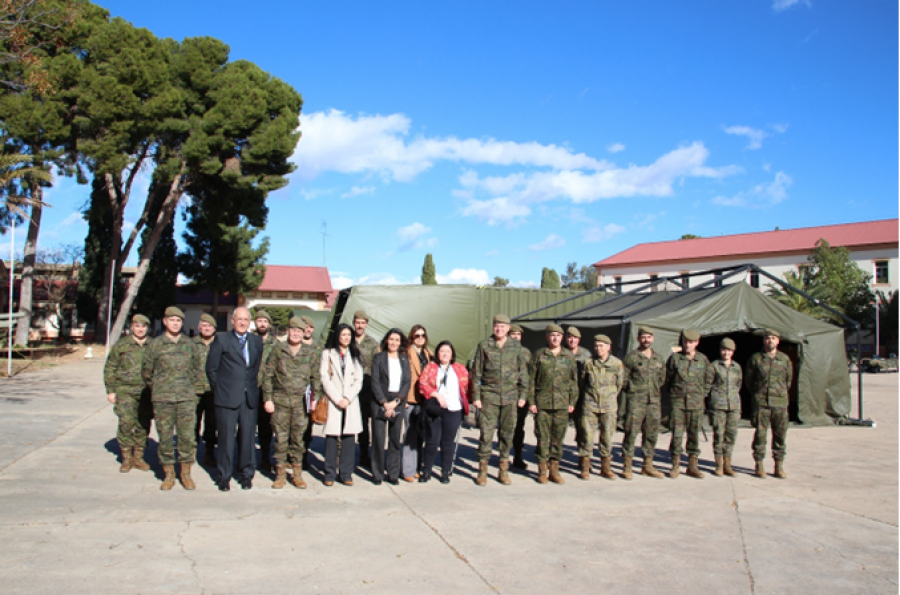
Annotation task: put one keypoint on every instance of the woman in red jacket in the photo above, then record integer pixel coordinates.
(445, 385)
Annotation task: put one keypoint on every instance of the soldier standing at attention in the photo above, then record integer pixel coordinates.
(169, 368)
(263, 323)
(602, 380)
(769, 376)
(725, 405)
(291, 369)
(645, 372)
(515, 332)
(206, 410)
(688, 376)
(368, 347)
(499, 383)
(581, 355)
(315, 392)
(553, 391)
(131, 400)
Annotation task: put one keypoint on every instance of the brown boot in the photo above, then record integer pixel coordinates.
(169, 480)
(676, 467)
(626, 468)
(779, 470)
(186, 480)
(542, 471)
(555, 477)
(720, 466)
(297, 480)
(649, 470)
(585, 464)
(503, 474)
(518, 461)
(726, 467)
(693, 469)
(127, 464)
(280, 477)
(481, 480)
(606, 468)
(137, 459)
(760, 470)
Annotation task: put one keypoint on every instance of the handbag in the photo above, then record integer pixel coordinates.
(320, 413)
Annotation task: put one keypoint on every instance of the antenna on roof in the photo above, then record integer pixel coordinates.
(324, 236)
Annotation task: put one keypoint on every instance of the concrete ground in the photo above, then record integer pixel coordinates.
(70, 522)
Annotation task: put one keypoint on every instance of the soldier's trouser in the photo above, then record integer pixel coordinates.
(496, 416)
(644, 419)
(135, 411)
(777, 419)
(206, 416)
(289, 423)
(725, 423)
(685, 420)
(588, 422)
(264, 427)
(364, 438)
(550, 431)
(575, 417)
(519, 433)
(176, 418)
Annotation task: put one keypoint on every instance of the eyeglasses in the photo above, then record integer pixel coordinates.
(419, 336)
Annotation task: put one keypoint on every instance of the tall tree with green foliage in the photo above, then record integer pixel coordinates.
(96, 212)
(549, 279)
(690, 236)
(429, 275)
(846, 286)
(579, 278)
(158, 292)
(797, 302)
(500, 282)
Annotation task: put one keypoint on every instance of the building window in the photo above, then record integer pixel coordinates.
(754, 280)
(881, 272)
(267, 294)
(686, 280)
(618, 284)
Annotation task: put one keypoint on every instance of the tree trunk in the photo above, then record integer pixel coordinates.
(23, 326)
(114, 252)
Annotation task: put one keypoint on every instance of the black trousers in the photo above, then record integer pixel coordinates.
(519, 433)
(365, 409)
(239, 423)
(443, 433)
(264, 430)
(343, 470)
(392, 428)
(206, 414)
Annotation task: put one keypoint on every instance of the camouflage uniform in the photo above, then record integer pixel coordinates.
(264, 420)
(170, 370)
(688, 380)
(287, 377)
(122, 376)
(499, 381)
(602, 382)
(769, 379)
(368, 347)
(725, 406)
(553, 388)
(644, 378)
(521, 413)
(206, 411)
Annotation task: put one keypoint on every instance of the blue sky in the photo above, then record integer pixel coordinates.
(504, 137)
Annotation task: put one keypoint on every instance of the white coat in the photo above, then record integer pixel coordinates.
(339, 386)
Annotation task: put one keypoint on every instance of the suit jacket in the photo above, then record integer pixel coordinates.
(231, 379)
(381, 378)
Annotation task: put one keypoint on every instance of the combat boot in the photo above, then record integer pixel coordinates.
(760, 470)
(127, 464)
(676, 467)
(297, 479)
(265, 464)
(693, 470)
(649, 470)
(518, 461)
(503, 473)
(720, 466)
(186, 480)
(542, 471)
(482, 473)
(726, 467)
(555, 477)
(137, 459)
(169, 480)
(606, 468)
(585, 468)
(209, 457)
(779, 470)
(626, 468)
(280, 477)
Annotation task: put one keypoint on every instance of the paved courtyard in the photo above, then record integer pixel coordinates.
(71, 523)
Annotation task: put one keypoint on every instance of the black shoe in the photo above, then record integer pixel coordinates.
(445, 478)
(246, 484)
(424, 477)
(393, 481)
(224, 486)
(376, 482)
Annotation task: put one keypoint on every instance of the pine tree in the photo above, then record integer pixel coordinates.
(429, 276)
(549, 279)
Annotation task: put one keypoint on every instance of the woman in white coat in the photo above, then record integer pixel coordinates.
(342, 379)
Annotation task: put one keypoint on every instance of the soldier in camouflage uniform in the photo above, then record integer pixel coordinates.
(688, 377)
(290, 370)
(515, 332)
(602, 380)
(499, 382)
(314, 392)
(573, 344)
(126, 391)
(169, 367)
(206, 410)
(725, 406)
(552, 394)
(645, 372)
(263, 323)
(368, 347)
(768, 378)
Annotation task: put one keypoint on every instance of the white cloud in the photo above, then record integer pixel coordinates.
(760, 195)
(465, 276)
(597, 233)
(781, 5)
(755, 136)
(615, 147)
(411, 237)
(525, 284)
(496, 210)
(551, 242)
(357, 190)
(340, 281)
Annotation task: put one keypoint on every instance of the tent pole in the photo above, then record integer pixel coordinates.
(562, 301)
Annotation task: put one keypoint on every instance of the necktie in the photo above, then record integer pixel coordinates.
(243, 339)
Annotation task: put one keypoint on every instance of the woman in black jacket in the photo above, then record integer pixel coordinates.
(390, 387)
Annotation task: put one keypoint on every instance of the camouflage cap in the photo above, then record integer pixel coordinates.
(308, 321)
(645, 330)
(501, 319)
(207, 318)
(770, 332)
(174, 311)
(515, 328)
(296, 322)
(262, 314)
(140, 319)
(554, 328)
(727, 344)
(573, 332)
(602, 339)
(690, 334)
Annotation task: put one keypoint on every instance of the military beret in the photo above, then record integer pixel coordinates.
(770, 332)
(573, 331)
(554, 328)
(207, 318)
(361, 315)
(602, 339)
(501, 319)
(140, 319)
(174, 311)
(690, 334)
(308, 321)
(515, 328)
(296, 322)
(645, 330)
(262, 314)
(727, 344)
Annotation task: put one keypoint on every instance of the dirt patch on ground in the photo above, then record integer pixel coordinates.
(73, 353)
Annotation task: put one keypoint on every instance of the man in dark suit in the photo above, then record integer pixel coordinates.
(232, 367)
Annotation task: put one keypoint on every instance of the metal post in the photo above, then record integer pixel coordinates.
(109, 309)
(859, 388)
(12, 282)
(877, 327)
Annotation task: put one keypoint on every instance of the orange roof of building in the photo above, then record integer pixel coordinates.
(849, 235)
(296, 278)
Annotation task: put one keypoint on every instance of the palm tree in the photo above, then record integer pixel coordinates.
(797, 302)
(13, 183)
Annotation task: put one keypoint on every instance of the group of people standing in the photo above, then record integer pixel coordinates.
(406, 403)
